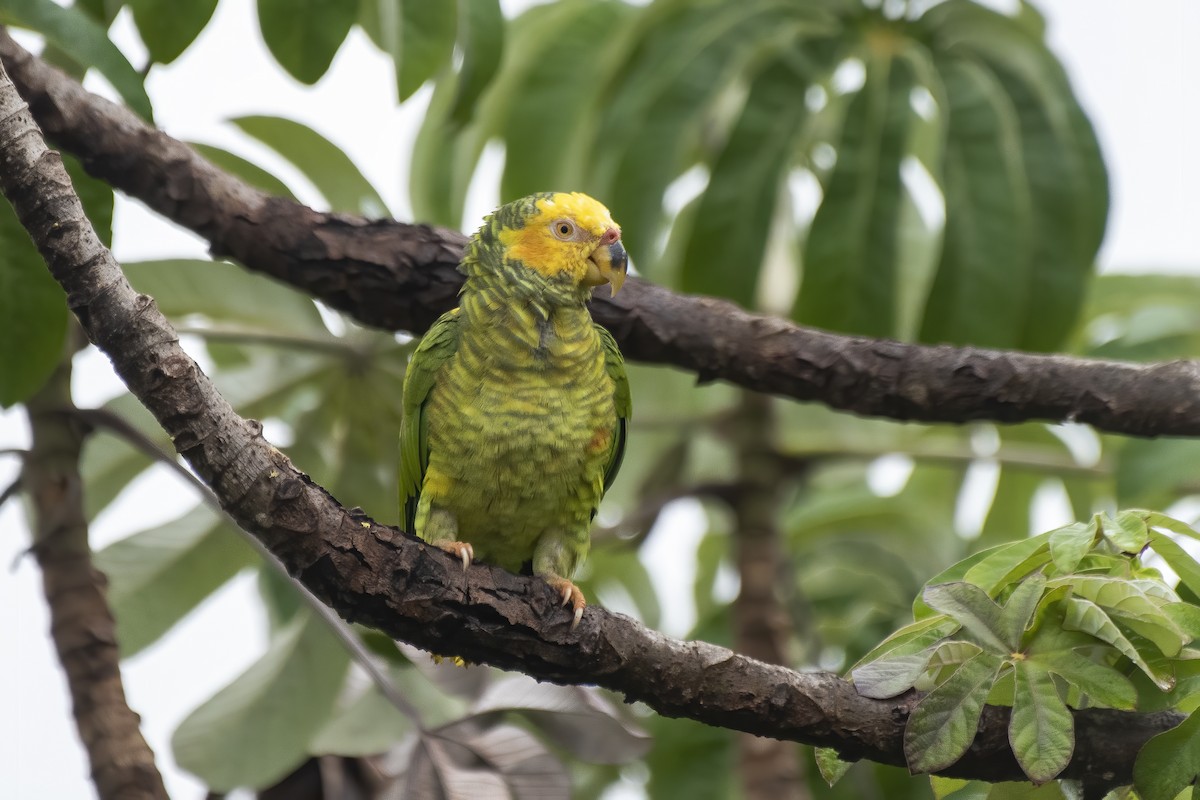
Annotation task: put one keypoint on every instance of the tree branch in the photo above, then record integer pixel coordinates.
(388, 580)
(81, 622)
(401, 277)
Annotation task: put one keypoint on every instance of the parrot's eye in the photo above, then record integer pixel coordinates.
(563, 228)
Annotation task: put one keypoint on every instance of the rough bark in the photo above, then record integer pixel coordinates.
(81, 623)
(401, 277)
(388, 580)
(768, 769)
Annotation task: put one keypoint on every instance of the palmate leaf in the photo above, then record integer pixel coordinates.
(1048, 139)
(943, 725)
(686, 53)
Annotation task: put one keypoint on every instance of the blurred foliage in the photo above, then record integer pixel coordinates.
(920, 171)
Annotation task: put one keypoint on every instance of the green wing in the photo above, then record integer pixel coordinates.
(614, 365)
(439, 344)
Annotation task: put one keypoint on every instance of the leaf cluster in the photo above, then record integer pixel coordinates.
(1072, 618)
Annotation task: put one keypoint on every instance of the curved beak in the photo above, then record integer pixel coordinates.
(611, 264)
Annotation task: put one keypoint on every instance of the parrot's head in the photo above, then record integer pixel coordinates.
(562, 238)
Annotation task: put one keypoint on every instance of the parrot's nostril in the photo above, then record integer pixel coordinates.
(610, 236)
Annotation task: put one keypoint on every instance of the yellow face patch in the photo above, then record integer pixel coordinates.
(560, 235)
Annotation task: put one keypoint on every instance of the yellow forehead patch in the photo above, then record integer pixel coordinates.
(589, 214)
(536, 246)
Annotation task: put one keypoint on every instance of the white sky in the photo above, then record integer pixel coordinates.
(1134, 65)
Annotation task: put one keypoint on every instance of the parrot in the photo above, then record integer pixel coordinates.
(516, 403)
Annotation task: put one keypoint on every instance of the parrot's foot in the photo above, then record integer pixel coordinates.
(460, 550)
(569, 593)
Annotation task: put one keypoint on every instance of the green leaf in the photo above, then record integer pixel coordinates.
(980, 293)
(1070, 543)
(649, 133)
(257, 729)
(1007, 563)
(1169, 762)
(1019, 608)
(889, 676)
(851, 257)
(367, 726)
(167, 27)
(831, 767)
(1127, 532)
(690, 760)
(544, 118)
(33, 314)
(481, 32)
(1067, 184)
(1084, 615)
(1100, 682)
(1177, 559)
(944, 788)
(248, 171)
(733, 220)
(157, 576)
(322, 162)
(225, 292)
(912, 638)
(418, 35)
(86, 40)
(969, 605)
(427, 39)
(1154, 472)
(1041, 730)
(304, 35)
(943, 725)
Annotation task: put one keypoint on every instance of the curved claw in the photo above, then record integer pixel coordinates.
(570, 594)
(460, 550)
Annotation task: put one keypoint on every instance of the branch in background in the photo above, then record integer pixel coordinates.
(388, 580)
(81, 623)
(401, 277)
(768, 769)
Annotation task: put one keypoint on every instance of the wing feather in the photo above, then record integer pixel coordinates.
(439, 344)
